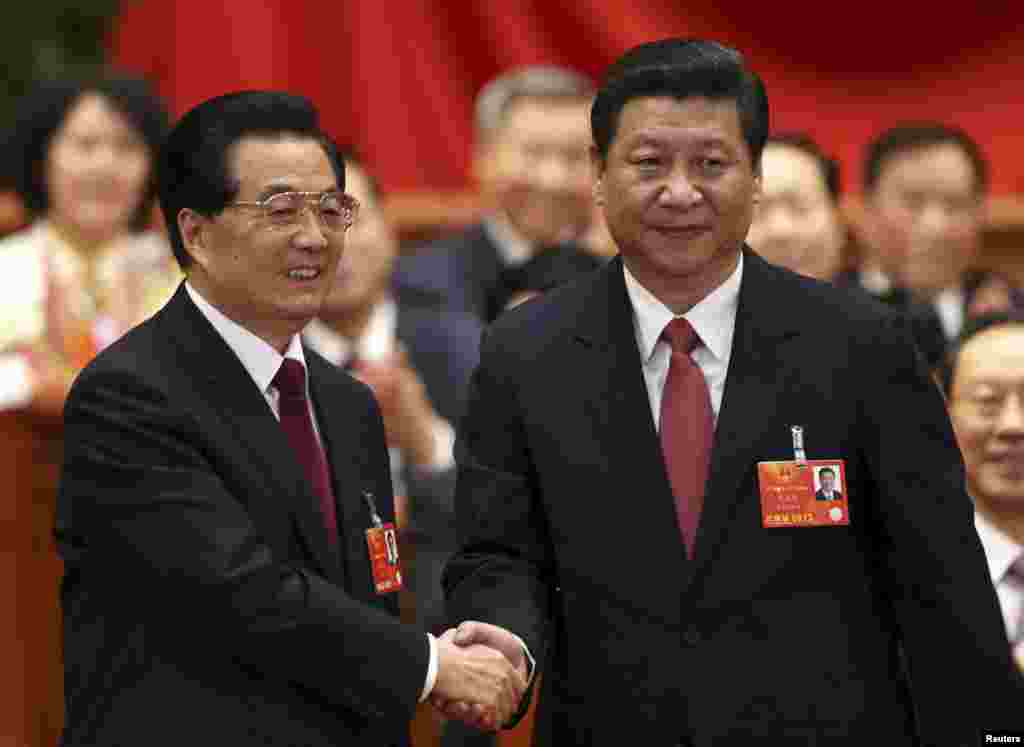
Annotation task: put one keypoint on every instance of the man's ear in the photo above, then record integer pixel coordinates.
(597, 171)
(194, 229)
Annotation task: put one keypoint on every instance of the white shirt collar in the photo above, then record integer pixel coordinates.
(875, 281)
(513, 248)
(1000, 550)
(258, 356)
(713, 318)
(377, 342)
(949, 305)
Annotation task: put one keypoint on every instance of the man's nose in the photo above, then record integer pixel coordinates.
(1011, 417)
(311, 235)
(679, 190)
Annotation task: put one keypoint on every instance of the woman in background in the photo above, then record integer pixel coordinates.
(87, 268)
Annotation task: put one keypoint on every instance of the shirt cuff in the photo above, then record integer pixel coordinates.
(529, 659)
(428, 685)
(17, 382)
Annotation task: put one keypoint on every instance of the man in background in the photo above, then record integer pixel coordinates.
(531, 162)
(985, 385)
(796, 222)
(924, 209)
(418, 361)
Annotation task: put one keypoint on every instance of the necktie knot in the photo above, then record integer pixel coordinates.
(290, 380)
(1015, 573)
(681, 336)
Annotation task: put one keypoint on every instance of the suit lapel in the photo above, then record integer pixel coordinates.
(756, 376)
(229, 393)
(341, 438)
(615, 398)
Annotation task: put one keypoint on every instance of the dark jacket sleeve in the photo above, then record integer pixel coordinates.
(140, 499)
(931, 561)
(503, 570)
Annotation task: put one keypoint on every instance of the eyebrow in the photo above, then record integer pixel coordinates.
(276, 188)
(649, 138)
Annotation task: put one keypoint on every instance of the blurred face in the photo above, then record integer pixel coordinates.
(796, 224)
(364, 272)
(678, 188)
(987, 409)
(925, 217)
(96, 170)
(270, 278)
(538, 169)
(828, 481)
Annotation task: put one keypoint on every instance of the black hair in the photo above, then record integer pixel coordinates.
(823, 470)
(804, 143)
(917, 136)
(43, 112)
(682, 68)
(193, 169)
(973, 327)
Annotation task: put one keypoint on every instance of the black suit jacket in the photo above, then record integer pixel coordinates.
(467, 274)
(836, 496)
(203, 603)
(569, 538)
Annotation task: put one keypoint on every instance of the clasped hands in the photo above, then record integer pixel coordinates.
(482, 675)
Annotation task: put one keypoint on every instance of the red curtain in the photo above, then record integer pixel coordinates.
(396, 81)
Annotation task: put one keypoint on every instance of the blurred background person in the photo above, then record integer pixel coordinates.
(796, 223)
(985, 385)
(532, 162)
(87, 267)
(924, 209)
(418, 362)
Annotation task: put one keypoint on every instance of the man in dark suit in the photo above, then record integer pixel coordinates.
(609, 503)
(532, 166)
(418, 361)
(925, 186)
(220, 480)
(828, 491)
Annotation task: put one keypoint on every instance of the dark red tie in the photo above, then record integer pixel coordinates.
(290, 381)
(687, 428)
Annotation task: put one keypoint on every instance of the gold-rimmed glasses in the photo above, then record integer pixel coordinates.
(336, 210)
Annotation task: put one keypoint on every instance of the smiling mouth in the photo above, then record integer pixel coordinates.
(304, 274)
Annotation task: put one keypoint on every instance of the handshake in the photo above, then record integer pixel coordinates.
(481, 675)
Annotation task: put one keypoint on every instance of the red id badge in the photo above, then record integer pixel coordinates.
(382, 542)
(810, 493)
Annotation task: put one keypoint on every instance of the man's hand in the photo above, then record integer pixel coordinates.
(486, 685)
(473, 634)
(408, 414)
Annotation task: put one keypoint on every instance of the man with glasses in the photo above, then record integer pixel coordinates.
(984, 381)
(224, 488)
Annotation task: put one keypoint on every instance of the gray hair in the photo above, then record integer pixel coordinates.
(535, 81)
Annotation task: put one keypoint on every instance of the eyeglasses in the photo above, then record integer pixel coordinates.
(336, 210)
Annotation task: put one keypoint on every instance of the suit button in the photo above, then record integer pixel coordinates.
(692, 636)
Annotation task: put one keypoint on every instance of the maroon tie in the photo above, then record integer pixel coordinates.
(290, 381)
(687, 428)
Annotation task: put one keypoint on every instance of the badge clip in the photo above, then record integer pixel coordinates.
(799, 454)
(372, 505)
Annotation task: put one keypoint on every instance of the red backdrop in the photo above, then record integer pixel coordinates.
(396, 80)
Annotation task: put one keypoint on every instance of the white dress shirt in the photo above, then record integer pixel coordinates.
(714, 321)
(1001, 552)
(262, 361)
